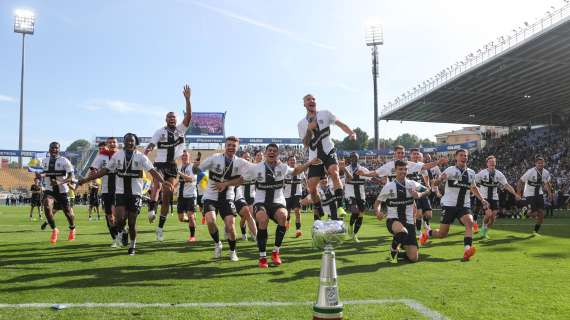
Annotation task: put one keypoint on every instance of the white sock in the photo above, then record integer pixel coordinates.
(262, 254)
(133, 243)
(276, 249)
(467, 247)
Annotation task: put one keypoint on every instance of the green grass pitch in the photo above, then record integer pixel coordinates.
(512, 276)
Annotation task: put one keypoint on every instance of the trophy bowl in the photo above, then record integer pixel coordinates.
(328, 233)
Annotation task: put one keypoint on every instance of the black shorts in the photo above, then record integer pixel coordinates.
(36, 200)
(108, 200)
(410, 239)
(536, 202)
(270, 210)
(61, 201)
(224, 208)
(94, 201)
(293, 203)
(328, 160)
(199, 200)
(249, 200)
(423, 204)
(360, 204)
(167, 169)
(131, 202)
(449, 214)
(186, 205)
(240, 204)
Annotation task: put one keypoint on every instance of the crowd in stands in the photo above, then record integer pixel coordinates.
(516, 151)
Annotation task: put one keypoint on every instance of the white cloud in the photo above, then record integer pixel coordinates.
(4, 98)
(262, 25)
(123, 107)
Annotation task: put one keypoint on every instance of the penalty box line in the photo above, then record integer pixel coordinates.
(412, 304)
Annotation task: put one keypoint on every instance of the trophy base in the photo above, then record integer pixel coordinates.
(331, 313)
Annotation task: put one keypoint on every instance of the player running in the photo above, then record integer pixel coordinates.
(534, 181)
(458, 179)
(57, 173)
(128, 165)
(490, 180)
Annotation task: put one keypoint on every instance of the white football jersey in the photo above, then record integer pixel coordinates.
(457, 187)
(222, 169)
(56, 168)
(269, 180)
(187, 189)
(129, 178)
(294, 182)
(169, 143)
(489, 182)
(355, 187)
(321, 136)
(389, 169)
(108, 180)
(533, 181)
(399, 200)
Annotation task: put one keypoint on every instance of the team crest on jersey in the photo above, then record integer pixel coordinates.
(278, 173)
(218, 167)
(392, 194)
(136, 163)
(259, 176)
(163, 136)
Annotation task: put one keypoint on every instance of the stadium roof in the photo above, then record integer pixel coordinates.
(515, 79)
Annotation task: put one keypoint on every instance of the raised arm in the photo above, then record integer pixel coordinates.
(188, 115)
(94, 175)
(346, 129)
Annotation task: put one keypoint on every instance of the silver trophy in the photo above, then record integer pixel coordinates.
(327, 235)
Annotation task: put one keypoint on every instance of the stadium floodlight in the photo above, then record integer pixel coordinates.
(24, 23)
(374, 38)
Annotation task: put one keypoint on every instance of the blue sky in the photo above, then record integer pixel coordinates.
(106, 67)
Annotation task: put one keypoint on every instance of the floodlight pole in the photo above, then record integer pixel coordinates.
(374, 38)
(375, 80)
(20, 141)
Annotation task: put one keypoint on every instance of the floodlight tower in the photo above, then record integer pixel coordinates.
(375, 38)
(24, 22)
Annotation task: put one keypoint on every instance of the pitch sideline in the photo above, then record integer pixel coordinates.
(412, 304)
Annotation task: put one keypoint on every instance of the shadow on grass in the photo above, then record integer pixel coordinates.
(151, 276)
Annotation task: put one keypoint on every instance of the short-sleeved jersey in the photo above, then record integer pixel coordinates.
(108, 181)
(321, 139)
(534, 180)
(458, 185)
(389, 169)
(489, 182)
(56, 169)
(269, 182)
(222, 169)
(169, 143)
(129, 171)
(187, 189)
(354, 187)
(294, 185)
(399, 200)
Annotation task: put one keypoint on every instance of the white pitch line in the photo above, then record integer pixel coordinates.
(412, 304)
